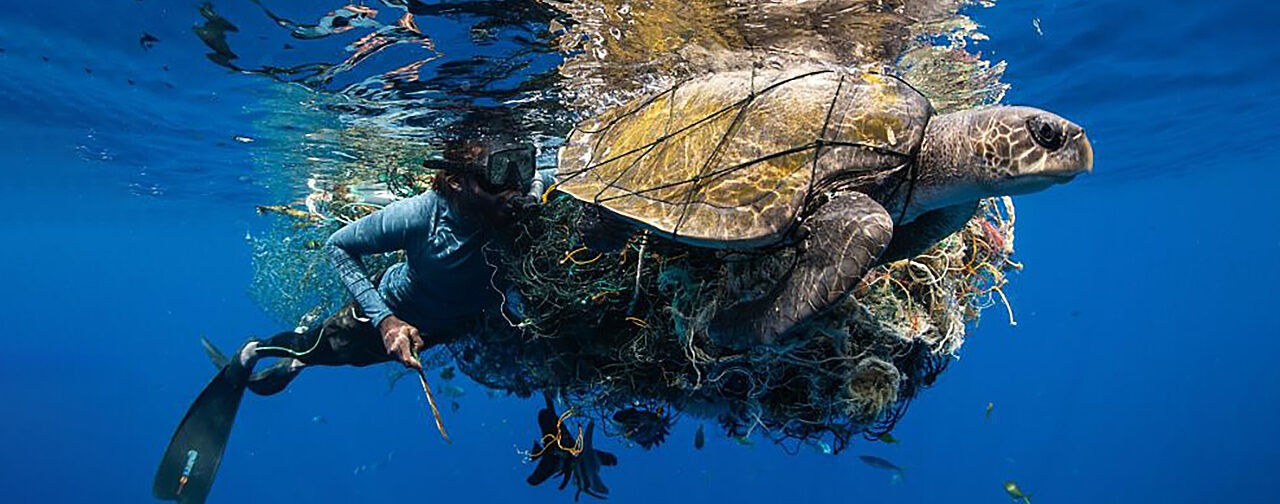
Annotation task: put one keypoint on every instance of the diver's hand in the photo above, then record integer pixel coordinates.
(402, 340)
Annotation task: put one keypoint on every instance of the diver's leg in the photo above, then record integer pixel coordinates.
(845, 235)
(275, 378)
(343, 339)
(347, 338)
(271, 380)
(191, 460)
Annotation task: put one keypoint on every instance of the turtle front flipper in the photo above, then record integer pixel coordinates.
(845, 237)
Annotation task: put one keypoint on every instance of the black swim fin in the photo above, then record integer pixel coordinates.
(269, 381)
(191, 461)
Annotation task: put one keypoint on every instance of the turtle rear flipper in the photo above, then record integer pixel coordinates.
(846, 235)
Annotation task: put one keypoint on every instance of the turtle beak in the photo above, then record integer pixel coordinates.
(1086, 153)
(1075, 159)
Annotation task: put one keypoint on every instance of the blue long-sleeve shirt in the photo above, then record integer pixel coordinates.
(444, 279)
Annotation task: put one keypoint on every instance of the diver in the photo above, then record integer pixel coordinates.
(438, 293)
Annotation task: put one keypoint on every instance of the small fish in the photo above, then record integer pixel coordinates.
(243, 139)
(990, 406)
(394, 374)
(283, 210)
(147, 41)
(313, 244)
(452, 391)
(699, 438)
(453, 406)
(880, 463)
(319, 420)
(1015, 493)
(825, 448)
(447, 373)
(743, 440)
(887, 438)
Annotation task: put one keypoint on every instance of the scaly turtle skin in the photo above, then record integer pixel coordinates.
(854, 167)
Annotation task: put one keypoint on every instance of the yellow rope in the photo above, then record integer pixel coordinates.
(569, 257)
(555, 438)
(547, 193)
(639, 322)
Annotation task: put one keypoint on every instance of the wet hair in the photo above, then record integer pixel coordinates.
(444, 179)
(468, 151)
(459, 151)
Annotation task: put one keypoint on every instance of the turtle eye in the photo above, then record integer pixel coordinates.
(1045, 132)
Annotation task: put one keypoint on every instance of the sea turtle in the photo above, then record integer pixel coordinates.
(853, 168)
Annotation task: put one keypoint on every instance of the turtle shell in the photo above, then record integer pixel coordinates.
(729, 159)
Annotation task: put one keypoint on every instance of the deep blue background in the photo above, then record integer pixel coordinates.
(1142, 368)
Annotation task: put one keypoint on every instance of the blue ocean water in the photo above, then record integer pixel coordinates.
(1140, 369)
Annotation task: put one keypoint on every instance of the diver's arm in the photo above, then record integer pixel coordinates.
(387, 230)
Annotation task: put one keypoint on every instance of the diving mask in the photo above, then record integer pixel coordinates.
(497, 164)
(508, 169)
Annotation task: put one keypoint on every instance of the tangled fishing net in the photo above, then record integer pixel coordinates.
(348, 173)
(612, 331)
(627, 330)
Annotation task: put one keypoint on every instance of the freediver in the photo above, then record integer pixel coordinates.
(438, 293)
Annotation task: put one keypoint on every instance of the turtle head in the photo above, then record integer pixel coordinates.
(1000, 151)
